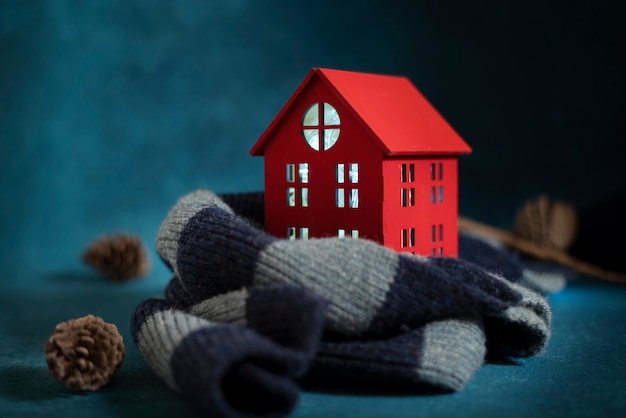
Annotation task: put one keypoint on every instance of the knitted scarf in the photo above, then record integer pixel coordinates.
(247, 316)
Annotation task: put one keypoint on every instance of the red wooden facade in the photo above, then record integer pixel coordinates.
(362, 155)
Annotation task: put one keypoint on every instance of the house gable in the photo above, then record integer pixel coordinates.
(394, 113)
(285, 133)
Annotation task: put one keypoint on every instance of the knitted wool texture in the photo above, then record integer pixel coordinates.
(246, 314)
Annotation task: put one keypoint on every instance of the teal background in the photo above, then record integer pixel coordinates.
(111, 110)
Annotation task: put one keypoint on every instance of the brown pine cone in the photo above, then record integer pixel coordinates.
(84, 353)
(548, 223)
(119, 257)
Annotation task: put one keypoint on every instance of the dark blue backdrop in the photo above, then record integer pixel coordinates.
(111, 110)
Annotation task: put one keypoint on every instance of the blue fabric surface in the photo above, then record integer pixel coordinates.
(110, 110)
(582, 372)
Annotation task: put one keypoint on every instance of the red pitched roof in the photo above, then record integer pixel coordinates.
(390, 107)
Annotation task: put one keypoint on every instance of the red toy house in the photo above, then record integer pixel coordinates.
(362, 155)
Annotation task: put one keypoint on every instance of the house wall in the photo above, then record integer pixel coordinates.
(322, 217)
(420, 211)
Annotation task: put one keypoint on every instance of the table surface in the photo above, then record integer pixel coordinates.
(581, 373)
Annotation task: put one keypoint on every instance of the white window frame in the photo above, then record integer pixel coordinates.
(321, 126)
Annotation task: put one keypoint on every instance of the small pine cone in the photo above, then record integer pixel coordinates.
(119, 257)
(84, 353)
(547, 223)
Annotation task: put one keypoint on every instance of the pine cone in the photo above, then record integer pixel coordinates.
(547, 223)
(118, 257)
(84, 353)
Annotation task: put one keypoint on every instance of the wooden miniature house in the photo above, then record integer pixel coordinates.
(362, 155)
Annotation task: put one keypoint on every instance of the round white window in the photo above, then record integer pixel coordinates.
(320, 126)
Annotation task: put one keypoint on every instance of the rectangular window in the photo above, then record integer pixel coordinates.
(291, 233)
(303, 172)
(407, 197)
(340, 173)
(341, 233)
(355, 233)
(340, 198)
(432, 171)
(440, 194)
(403, 173)
(411, 173)
(433, 233)
(404, 239)
(412, 237)
(353, 173)
(291, 173)
(440, 232)
(304, 233)
(432, 252)
(291, 196)
(354, 198)
(432, 195)
(440, 171)
(304, 197)
(440, 251)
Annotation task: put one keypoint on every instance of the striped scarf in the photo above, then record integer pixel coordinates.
(247, 316)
